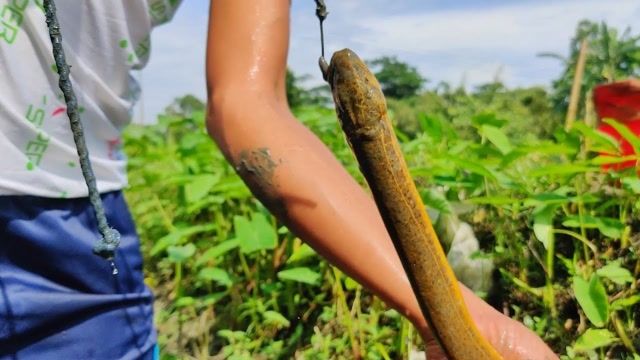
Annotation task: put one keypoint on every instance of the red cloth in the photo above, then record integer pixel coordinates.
(619, 101)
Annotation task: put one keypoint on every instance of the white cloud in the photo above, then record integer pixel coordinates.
(470, 41)
(524, 28)
(446, 44)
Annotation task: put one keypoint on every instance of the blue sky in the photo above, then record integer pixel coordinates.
(458, 41)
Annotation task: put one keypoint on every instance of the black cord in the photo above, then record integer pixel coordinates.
(321, 13)
(106, 247)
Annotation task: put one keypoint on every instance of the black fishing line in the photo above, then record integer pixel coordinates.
(321, 13)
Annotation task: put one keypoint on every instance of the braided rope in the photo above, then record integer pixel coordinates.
(106, 246)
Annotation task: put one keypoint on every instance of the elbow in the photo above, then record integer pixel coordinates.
(222, 107)
(226, 105)
(235, 111)
(242, 98)
(223, 104)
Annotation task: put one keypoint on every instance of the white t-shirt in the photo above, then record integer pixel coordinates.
(103, 40)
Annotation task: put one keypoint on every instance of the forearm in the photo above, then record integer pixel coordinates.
(285, 165)
(307, 189)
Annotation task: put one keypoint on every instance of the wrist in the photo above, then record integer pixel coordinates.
(413, 313)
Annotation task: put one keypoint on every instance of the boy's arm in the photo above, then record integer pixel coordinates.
(297, 177)
(285, 165)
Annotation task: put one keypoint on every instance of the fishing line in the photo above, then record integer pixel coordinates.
(321, 13)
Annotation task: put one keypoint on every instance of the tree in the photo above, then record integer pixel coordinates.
(295, 93)
(398, 80)
(610, 56)
(299, 96)
(185, 106)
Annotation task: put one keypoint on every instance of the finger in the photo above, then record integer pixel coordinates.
(510, 338)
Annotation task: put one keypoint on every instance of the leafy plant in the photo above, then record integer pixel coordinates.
(231, 281)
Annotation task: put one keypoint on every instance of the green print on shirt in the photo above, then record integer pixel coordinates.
(35, 149)
(160, 12)
(39, 4)
(61, 98)
(142, 49)
(123, 45)
(11, 18)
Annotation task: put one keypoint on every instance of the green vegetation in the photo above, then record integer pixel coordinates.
(610, 56)
(398, 80)
(231, 282)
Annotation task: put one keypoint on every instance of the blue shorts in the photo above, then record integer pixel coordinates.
(60, 301)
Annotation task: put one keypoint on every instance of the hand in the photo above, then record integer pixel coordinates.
(509, 337)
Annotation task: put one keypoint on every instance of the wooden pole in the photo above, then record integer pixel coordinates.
(575, 90)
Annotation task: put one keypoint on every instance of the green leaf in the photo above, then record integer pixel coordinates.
(459, 147)
(232, 187)
(177, 236)
(256, 234)
(199, 186)
(211, 299)
(564, 169)
(217, 275)
(611, 160)
(568, 263)
(275, 318)
(616, 273)
(402, 137)
(611, 227)
(185, 301)
(300, 274)
(350, 284)
(218, 250)
(431, 126)
(626, 133)
(592, 298)
(190, 141)
(546, 199)
(436, 200)
(632, 183)
(487, 119)
(548, 148)
(181, 253)
(492, 200)
(474, 167)
(624, 303)
(598, 137)
(586, 221)
(594, 339)
(302, 253)
(232, 335)
(498, 138)
(543, 224)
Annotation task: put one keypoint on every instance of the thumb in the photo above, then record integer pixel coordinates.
(510, 338)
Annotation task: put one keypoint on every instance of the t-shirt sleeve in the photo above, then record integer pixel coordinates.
(162, 11)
